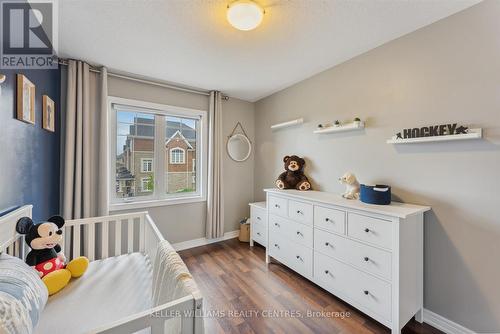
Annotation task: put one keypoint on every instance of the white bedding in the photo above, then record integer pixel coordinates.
(111, 289)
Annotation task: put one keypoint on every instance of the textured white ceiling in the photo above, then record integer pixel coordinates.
(189, 42)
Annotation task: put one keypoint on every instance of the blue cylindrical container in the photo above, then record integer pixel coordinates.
(379, 194)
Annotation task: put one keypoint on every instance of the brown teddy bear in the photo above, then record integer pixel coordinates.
(293, 177)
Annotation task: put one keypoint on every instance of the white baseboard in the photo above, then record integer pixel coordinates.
(443, 324)
(204, 241)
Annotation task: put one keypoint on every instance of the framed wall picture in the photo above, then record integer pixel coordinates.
(25, 99)
(49, 114)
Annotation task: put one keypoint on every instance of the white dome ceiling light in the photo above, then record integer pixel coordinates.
(245, 14)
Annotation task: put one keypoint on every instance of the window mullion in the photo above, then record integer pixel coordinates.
(160, 134)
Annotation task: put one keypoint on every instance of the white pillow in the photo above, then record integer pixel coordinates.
(23, 296)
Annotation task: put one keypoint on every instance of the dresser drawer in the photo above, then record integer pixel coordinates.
(291, 230)
(278, 206)
(329, 219)
(331, 274)
(367, 258)
(259, 234)
(370, 292)
(300, 259)
(278, 247)
(331, 244)
(300, 212)
(279, 225)
(258, 216)
(301, 234)
(373, 293)
(373, 230)
(293, 255)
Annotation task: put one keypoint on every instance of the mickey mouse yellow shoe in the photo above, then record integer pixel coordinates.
(78, 266)
(56, 280)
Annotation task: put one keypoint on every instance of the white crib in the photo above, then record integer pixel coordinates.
(110, 237)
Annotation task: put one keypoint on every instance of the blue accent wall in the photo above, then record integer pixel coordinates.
(30, 155)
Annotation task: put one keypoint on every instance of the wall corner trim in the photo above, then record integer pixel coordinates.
(443, 324)
(204, 241)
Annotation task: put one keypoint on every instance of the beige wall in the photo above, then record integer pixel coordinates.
(449, 71)
(184, 222)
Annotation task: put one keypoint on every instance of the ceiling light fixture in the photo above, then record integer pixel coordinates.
(245, 14)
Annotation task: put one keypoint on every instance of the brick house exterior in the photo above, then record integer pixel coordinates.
(180, 162)
(135, 166)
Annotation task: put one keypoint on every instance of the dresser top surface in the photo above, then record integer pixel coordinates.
(261, 205)
(395, 209)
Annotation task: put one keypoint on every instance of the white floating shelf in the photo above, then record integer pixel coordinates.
(472, 134)
(287, 124)
(342, 128)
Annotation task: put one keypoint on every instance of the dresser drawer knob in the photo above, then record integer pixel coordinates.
(329, 220)
(258, 218)
(327, 244)
(277, 206)
(276, 245)
(367, 230)
(327, 272)
(258, 233)
(300, 212)
(300, 233)
(366, 292)
(299, 258)
(276, 224)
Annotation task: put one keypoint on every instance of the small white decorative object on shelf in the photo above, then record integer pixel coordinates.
(351, 184)
(341, 128)
(287, 124)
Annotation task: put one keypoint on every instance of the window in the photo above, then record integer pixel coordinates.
(146, 165)
(147, 184)
(177, 156)
(157, 154)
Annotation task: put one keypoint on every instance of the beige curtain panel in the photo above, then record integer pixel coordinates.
(84, 144)
(215, 199)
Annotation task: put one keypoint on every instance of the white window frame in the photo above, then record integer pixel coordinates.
(145, 190)
(183, 161)
(158, 196)
(142, 165)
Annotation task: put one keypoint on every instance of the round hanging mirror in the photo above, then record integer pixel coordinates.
(239, 147)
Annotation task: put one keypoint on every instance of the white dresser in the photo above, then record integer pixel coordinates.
(371, 256)
(258, 223)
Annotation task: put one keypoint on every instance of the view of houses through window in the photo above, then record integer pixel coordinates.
(136, 152)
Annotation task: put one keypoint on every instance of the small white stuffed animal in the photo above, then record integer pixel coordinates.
(352, 186)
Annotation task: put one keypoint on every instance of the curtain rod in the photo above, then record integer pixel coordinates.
(94, 69)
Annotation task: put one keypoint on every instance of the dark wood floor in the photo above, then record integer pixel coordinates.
(244, 295)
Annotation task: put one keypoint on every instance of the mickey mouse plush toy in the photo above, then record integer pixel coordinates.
(46, 256)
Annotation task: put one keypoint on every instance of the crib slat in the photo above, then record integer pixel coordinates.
(21, 248)
(141, 234)
(76, 241)
(118, 238)
(105, 238)
(63, 241)
(130, 235)
(16, 247)
(66, 247)
(91, 241)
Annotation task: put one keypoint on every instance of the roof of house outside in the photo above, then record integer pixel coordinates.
(143, 127)
(124, 174)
